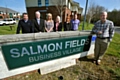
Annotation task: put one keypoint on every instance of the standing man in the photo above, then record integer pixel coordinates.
(75, 23)
(39, 24)
(104, 30)
(25, 24)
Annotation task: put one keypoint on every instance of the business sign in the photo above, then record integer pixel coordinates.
(29, 53)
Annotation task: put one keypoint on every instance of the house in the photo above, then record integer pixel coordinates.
(8, 13)
(64, 8)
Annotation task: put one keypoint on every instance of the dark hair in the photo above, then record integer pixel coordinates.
(24, 14)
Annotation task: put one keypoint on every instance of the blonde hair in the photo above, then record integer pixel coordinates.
(49, 15)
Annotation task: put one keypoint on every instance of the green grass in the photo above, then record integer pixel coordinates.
(4, 30)
(114, 48)
(86, 26)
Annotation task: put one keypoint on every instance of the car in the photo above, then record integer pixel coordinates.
(8, 21)
(2, 22)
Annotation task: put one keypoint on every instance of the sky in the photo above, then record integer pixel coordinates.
(19, 5)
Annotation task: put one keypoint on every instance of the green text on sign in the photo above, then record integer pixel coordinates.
(28, 53)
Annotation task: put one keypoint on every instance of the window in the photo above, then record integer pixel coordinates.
(39, 3)
(46, 2)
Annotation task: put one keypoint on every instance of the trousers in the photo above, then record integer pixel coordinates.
(101, 46)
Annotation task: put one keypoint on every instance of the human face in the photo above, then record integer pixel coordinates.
(37, 15)
(75, 16)
(68, 20)
(25, 17)
(103, 16)
(57, 20)
(49, 17)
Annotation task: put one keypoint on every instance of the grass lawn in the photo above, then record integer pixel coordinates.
(4, 30)
(85, 69)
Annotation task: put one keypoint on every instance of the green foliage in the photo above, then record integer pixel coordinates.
(7, 30)
(86, 26)
(114, 48)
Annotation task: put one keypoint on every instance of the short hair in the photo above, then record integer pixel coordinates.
(58, 18)
(37, 12)
(102, 12)
(24, 14)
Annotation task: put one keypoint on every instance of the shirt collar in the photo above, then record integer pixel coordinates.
(38, 19)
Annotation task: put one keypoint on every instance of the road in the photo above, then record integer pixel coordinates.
(117, 29)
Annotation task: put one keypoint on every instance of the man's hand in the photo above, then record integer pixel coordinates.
(99, 32)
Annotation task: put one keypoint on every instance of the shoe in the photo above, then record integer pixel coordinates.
(98, 62)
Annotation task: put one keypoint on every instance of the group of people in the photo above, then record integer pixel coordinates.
(49, 25)
(104, 29)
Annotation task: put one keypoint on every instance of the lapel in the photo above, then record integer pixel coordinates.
(36, 22)
(40, 21)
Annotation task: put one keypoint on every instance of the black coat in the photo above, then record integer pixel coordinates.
(59, 27)
(26, 27)
(37, 27)
(67, 26)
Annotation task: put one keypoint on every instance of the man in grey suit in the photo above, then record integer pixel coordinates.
(39, 24)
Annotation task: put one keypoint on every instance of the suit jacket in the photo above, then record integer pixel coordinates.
(59, 27)
(26, 27)
(67, 26)
(37, 27)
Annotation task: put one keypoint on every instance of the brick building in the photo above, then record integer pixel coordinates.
(67, 7)
(8, 13)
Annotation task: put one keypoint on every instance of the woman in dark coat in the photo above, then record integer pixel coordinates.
(67, 25)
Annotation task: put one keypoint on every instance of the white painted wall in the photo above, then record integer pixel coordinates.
(69, 5)
(31, 3)
(74, 8)
(34, 3)
(57, 2)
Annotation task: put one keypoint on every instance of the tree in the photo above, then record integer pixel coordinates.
(91, 12)
(114, 16)
(60, 5)
(94, 12)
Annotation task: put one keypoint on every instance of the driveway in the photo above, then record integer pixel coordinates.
(117, 29)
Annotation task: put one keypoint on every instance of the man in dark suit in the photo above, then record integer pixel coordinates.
(25, 25)
(39, 24)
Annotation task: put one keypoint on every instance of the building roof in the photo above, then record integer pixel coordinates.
(3, 9)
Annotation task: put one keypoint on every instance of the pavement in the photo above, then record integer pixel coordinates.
(117, 29)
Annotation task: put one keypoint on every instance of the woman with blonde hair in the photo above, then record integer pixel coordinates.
(49, 23)
(57, 24)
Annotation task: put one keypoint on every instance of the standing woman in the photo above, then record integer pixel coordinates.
(49, 23)
(67, 25)
(57, 24)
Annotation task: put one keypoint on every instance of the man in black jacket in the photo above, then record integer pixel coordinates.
(25, 25)
(39, 24)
